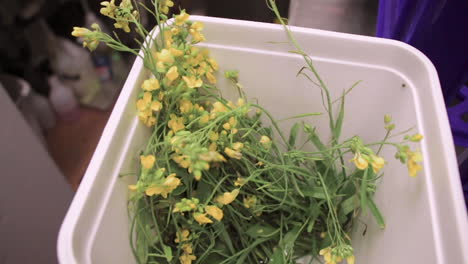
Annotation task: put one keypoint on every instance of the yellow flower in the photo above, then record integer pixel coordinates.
(360, 162)
(169, 185)
(176, 52)
(182, 236)
(147, 97)
(197, 26)
(202, 218)
(141, 105)
(192, 81)
(240, 181)
(232, 153)
(412, 163)
(264, 140)
(168, 38)
(176, 123)
(213, 136)
(165, 56)
(187, 248)
(326, 253)
(240, 102)
(197, 36)
(185, 106)
(213, 147)
(237, 146)
(150, 85)
(416, 137)
(147, 161)
(219, 107)
(187, 259)
(108, 8)
(132, 187)
(172, 74)
(122, 24)
(156, 106)
(80, 32)
(182, 18)
(377, 163)
(160, 67)
(232, 121)
(175, 31)
(147, 117)
(195, 32)
(145, 103)
(213, 64)
(350, 259)
(211, 78)
(227, 197)
(215, 212)
(227, 126)
(250, 201)
(164, 6)
(204, 119)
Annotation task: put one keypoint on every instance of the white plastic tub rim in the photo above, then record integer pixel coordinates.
(426, 217)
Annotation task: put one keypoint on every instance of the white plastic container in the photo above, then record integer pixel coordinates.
(426, 218)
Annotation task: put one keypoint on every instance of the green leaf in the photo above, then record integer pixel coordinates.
(259, 230)
(349, 205)
(376, 213)
(168, 253)
(315, 192)
(287, 243)
(225, 236)
(314, 138)
(363, 193)
(293, 135)
(277, 257)
(203, 191)
(339, 121)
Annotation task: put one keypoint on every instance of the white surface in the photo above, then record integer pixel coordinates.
(426, 217)
(34, 194)
(348, 16)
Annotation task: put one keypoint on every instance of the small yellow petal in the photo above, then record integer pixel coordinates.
(232, 153)
(156, 106)
(141, 104)
(147, 97)
(172, 74)
(181, 18)
(147, 161)
(150, 85)
(215, 212)
(227, 197)
(202, 218)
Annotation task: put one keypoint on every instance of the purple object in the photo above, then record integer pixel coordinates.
(438, 29)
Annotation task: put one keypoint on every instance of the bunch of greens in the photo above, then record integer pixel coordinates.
(216, 184)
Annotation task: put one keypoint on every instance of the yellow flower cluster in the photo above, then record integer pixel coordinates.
(362, 161)
(333, 256)
(413, 162)
(164, 6)
(183, 238)
(122, 14)
(235, 151)
(150, 102)
(89, 37)
(164, 186)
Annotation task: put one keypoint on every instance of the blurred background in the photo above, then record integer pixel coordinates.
(56, 97)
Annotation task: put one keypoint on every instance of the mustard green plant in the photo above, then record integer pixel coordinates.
(218, 183)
